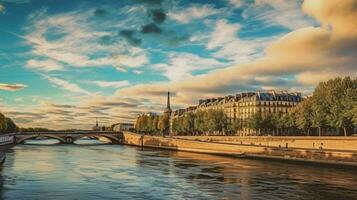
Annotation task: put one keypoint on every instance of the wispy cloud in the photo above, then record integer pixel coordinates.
(17, 1)
(2, 8)
(65, 85)
(226, 44)
(279, 13)
(114, 84)
(186, 15)
(44, 65)
(78, 40)
(181, 65)
(12, 87)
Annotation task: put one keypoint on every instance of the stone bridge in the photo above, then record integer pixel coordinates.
(69, 137)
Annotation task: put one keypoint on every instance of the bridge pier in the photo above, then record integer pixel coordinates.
(69, 140)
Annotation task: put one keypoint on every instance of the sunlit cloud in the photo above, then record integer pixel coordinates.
(2, 8)
(65, 85)
(12, 87)
(186, 15)
(78, 56)
(44, 65)
(114, 84)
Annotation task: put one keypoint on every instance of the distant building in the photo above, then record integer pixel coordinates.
(149, 114)
(96, 127)
(123, 127)
(241, 106)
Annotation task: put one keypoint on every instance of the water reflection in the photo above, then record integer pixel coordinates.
(121, 172)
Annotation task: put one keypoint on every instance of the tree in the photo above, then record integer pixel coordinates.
(164, 123)
(3, 125)
(340, 98)
(155, 124)
(255, 122)
(288, 121)
(354, 111)
(199, 122)
(277, 122)
(10, 126)
(318, 107)
(234, 126)
(303, 115)
(188, 122)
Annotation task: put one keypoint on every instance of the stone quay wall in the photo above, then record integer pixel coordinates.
(333, 150)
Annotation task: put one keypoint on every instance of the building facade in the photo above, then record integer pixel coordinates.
(243, 105)
(123, 127)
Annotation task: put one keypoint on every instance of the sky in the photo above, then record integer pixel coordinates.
(64, 64)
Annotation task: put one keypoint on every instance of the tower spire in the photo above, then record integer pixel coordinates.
(168, 106)
(168, 100)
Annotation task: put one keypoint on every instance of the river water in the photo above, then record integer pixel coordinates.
(88, 171)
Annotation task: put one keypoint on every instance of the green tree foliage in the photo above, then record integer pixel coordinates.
(164, 123)
(234, 126)
(7, 125)
(147, 124)
(256, 122)
(303, 115)
(2, 123)
(211, 121)
(10, 126)
(332, 105)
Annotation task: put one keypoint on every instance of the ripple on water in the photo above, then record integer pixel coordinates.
(121, 172)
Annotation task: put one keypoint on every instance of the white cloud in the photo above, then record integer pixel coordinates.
(137, 72)
(222, 34)
(65, 85)
(115, 84)
(186, 15)
(2, 8)
(181, 65)
(12, 87)
(237, 3)
(44, 65)
(227, 45)
(279, 13)
(77, 40)
(19, 99)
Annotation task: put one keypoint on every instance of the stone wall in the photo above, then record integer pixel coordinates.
(321, 143)
(340, 152)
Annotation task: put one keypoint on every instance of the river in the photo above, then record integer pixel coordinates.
(95, 171)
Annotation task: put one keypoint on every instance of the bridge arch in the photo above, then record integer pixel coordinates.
(113, 139)
(22, 139)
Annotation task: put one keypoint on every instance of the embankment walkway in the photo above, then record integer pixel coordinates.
(321, 150)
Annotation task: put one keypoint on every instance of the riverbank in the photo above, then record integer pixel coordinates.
(330, 151)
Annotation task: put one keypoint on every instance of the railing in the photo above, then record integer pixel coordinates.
(6, 139)
(67, 133)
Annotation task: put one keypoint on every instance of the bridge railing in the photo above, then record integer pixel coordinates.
(7, 138)
(67, 132)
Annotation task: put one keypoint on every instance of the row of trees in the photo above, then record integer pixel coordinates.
(7, 125)
(211, 121)
(153, 124)
(333, 105)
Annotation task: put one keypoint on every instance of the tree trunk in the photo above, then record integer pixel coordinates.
(319, 131)
(345, 131)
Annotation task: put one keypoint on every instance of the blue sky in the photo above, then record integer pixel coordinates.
(77, 60)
